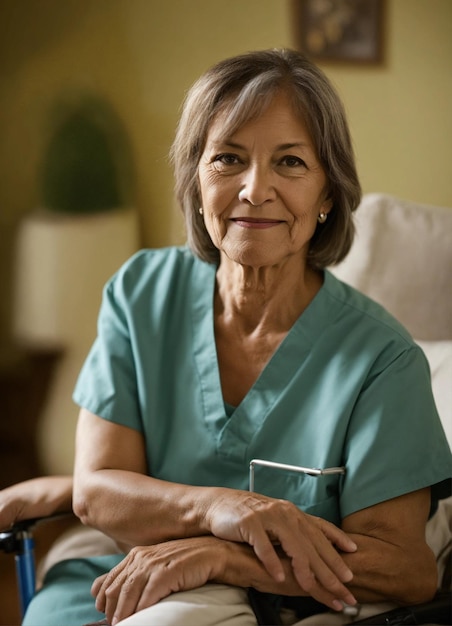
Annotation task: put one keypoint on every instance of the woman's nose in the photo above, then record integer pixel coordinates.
(257, 186)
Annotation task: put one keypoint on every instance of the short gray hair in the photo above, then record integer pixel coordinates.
(241, 87)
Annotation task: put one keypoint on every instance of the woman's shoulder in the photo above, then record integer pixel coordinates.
(152, 266)
(150, 259)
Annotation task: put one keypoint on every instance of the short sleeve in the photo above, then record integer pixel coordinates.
(395, 441)
(107, 384)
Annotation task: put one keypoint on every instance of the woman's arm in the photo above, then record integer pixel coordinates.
(113, 493)
(393, 560)
(38, 497)
(392, 563)
(150, 573)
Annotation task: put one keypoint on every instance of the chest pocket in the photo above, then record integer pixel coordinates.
(316, 495)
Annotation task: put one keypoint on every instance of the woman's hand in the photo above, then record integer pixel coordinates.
(38, 497)
(149, 573)
(309, 542)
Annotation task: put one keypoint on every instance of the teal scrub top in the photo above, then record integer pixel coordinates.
(347, 387)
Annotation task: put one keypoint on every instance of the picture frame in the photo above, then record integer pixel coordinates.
(340, 31)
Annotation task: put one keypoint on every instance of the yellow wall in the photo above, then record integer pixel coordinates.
(400, 114)
(143, 54)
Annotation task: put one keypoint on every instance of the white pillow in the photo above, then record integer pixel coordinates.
(439, 356)
(401, 257)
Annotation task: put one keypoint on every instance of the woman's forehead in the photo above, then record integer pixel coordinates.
(233, 114)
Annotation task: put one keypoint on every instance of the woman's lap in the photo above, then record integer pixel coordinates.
(211, 605)
(65, 600)
(222, 605)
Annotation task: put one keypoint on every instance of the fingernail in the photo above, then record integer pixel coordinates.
(280, 577)
(337, 605)
(347, 577)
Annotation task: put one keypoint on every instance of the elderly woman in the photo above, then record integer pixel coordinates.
(243, 346)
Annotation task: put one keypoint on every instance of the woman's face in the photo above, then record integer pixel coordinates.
(263, 187)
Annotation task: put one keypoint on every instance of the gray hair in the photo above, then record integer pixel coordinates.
(241, 87)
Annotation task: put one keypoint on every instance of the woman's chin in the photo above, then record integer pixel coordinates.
(252, 254)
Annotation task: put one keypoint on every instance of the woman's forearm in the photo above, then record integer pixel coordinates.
(135, 509)
(114, 493)
(393, 561)
(383, 571)
(37, 497)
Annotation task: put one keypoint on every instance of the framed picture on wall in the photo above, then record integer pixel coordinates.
(348, 31)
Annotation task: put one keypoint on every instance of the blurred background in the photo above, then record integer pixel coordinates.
(90, 92)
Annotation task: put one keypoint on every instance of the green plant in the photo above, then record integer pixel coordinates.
(81, 169)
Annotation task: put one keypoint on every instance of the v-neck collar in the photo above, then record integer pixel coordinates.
(233, 434)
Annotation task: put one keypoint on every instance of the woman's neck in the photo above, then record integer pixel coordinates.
(270, 298)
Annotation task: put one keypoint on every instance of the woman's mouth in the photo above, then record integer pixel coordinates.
(256, 223)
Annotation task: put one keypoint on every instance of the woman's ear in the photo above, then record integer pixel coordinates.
(327, 205)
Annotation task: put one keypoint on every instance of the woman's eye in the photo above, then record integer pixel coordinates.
(292, 161)
(226, 159)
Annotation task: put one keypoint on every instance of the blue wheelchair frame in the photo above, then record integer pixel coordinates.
(19, 541)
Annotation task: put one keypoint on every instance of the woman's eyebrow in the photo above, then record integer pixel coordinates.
(284, 146)
(296, 144)
(227, 142)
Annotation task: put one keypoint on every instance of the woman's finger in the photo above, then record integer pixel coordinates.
(316, 563)
(104, 586)
(127, 597)
(264, 550)
(319, 593)
(97, 585)
(322, 583)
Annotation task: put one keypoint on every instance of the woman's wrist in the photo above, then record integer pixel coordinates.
(236, 564)
(203, 508)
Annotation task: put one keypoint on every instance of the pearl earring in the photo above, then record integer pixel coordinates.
(201, 210)
(322, 217)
